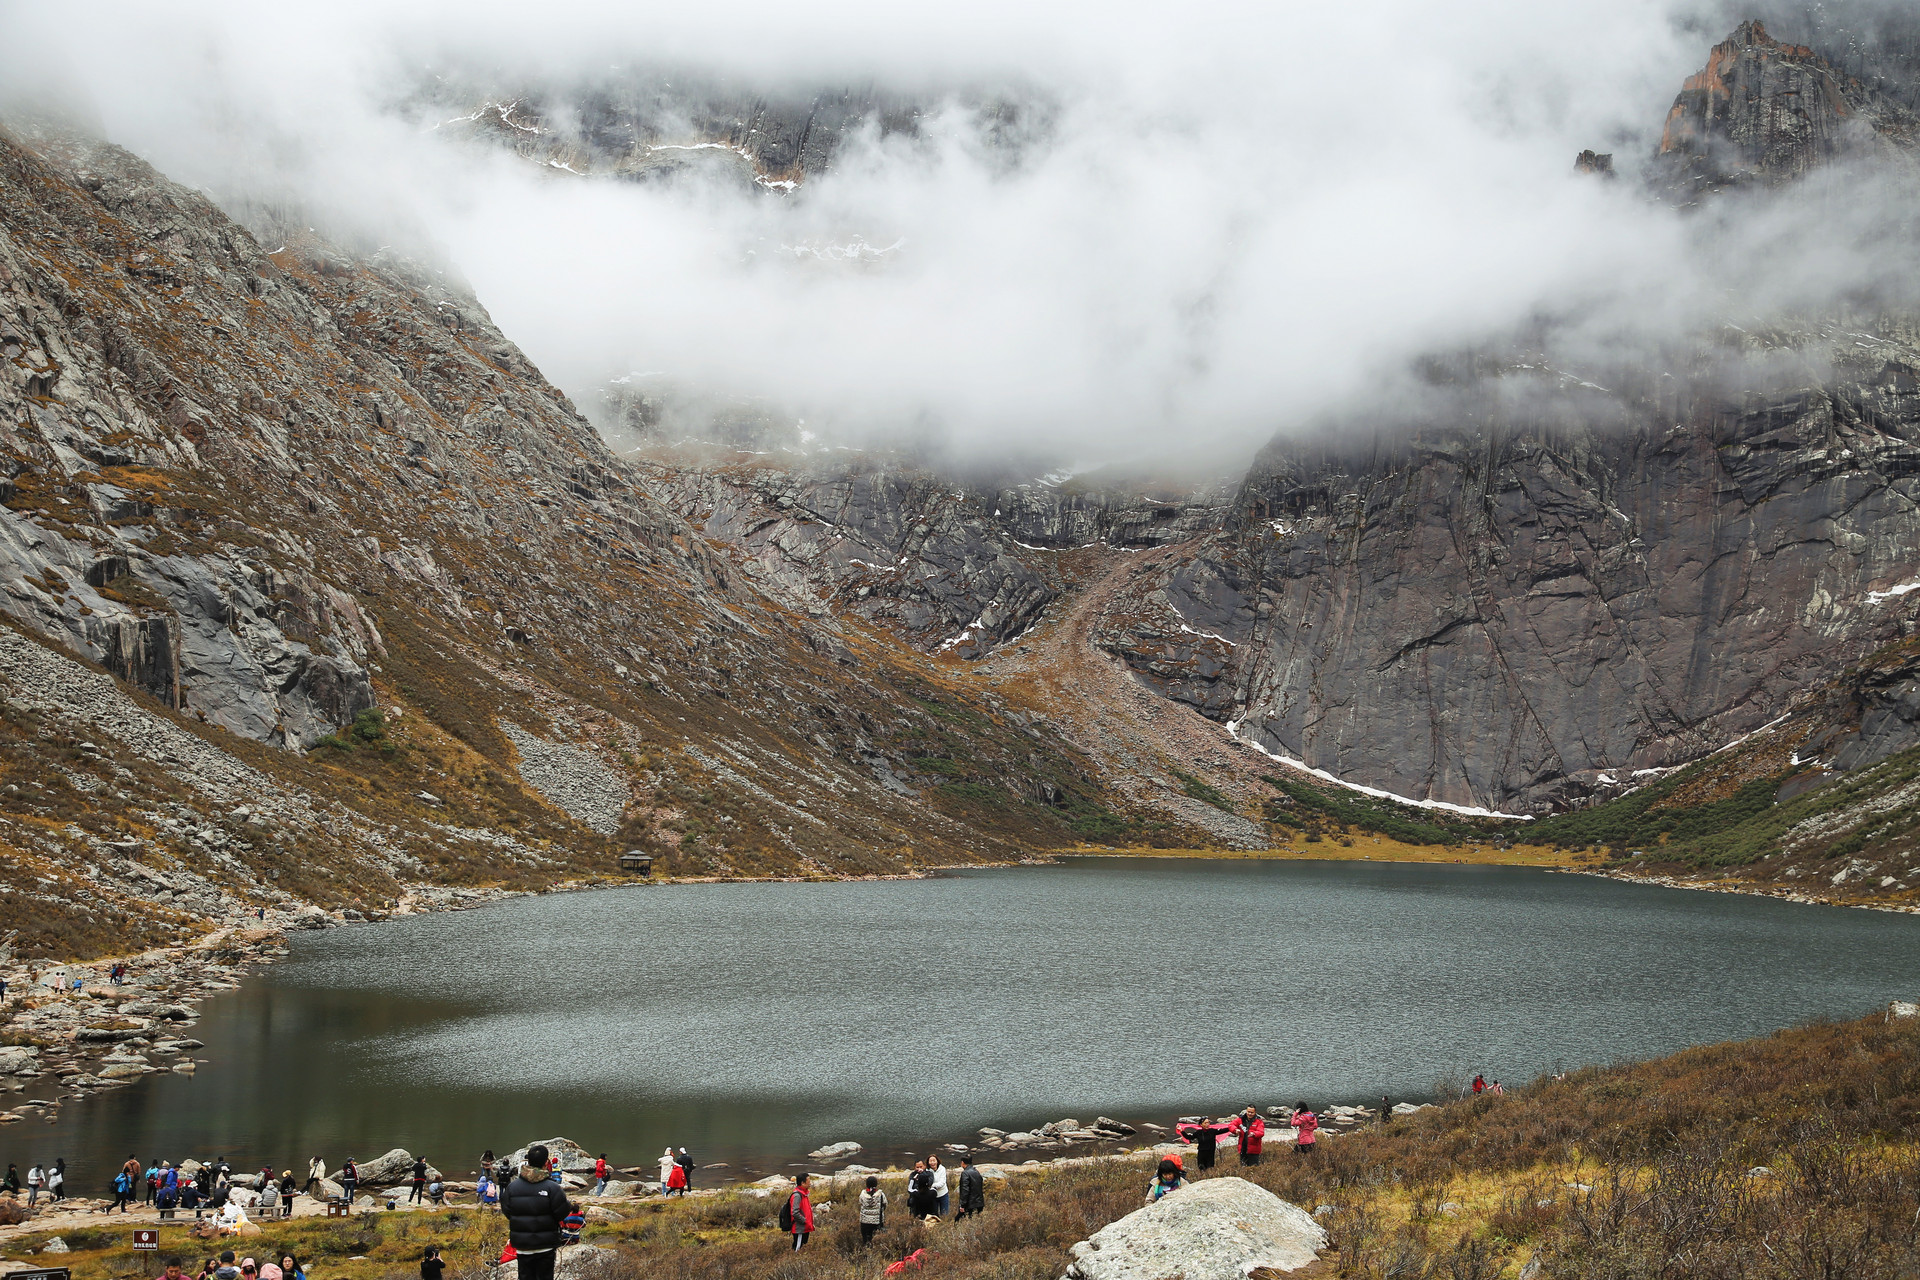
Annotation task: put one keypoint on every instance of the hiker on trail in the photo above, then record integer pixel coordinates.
(685, 1162)
(1252, 1131)
(973, 1189)
(36, 1179)
(600, 1175)
(350, 1178)
(1495, 1088)
(535, 1206)
(1206, 1137)
(431, 1267)
(419, 1192)
(1479, 1085)
(941, 1199)
(797, 1214)
(1170, 1176)
(920, 1190)
(483, 1193)
(1306, 1126)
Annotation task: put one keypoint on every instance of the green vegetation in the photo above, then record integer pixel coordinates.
(369, 729)
(1407, 823)
(1200, 790)
(1747, 825)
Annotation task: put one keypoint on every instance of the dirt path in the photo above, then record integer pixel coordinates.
(1138, 736)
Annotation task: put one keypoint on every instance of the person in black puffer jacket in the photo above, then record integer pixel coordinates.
(535, 1204)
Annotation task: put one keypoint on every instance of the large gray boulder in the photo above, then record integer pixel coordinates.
(1219, 1229)
(573, 1157)
(395, 1166)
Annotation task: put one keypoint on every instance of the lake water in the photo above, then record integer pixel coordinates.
(753, 1022)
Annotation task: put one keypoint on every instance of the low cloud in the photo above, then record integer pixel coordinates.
(1232, 219)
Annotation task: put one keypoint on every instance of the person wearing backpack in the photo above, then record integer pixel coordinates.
(122, 1192)
(535, 1206)
(349, 1179)
(796, 1215)
(600, 1175)
(873, 1210)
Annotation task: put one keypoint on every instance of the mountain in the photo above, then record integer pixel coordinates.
(318, 600)
(318, 596)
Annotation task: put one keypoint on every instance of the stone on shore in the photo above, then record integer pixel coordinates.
(574, 1262)
(395, 1166)
(573, 1157)
(1220, 1229)
(615, 1187)
(1408, 1108)
(16, 1059)
(835, 1151)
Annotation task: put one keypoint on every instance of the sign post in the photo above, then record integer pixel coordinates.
(145, 1240)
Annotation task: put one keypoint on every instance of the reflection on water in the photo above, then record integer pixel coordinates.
(752, 1023)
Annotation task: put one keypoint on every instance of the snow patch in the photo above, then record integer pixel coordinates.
(1208, 635)
(1875, 597)
(1233, 731)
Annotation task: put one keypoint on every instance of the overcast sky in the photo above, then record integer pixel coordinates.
(1242, 215)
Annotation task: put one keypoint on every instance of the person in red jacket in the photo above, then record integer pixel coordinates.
(600, 1175)
(1251, 1130)
(1479, 1085)
(1306, 1127)
(800, 1212)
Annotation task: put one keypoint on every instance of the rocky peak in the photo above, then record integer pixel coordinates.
(1763, 111)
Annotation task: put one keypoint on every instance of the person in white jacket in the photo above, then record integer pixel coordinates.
(36, 1179)
(666, 1167)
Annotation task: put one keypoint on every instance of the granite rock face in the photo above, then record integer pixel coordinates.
(1503, 614)
(1217, 1229)
(1765, 112)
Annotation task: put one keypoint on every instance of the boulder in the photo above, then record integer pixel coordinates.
(1220, 1229)
(16, 1059)
(330, 1190)
(573, 1157)
(394, 1167)
(55, 1245)
(1113, 1126)
(835, 1151)
(575, 1262)
(124, 1070)
(1408, 1108)
(1903, 1009)
(616, 1187)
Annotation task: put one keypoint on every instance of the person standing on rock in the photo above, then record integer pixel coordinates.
(1306, 1127)
(667, 1163)
(1251, 1130)
(349, 1179)
(419, 1193)
(799, 1212)
(535, 1206)
(873, 1210)
(36, 1179)
(973, 1189)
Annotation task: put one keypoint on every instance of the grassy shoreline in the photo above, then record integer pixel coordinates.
(1790, 1155)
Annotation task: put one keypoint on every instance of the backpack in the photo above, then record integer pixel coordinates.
(786, 1215)
(123, 1183)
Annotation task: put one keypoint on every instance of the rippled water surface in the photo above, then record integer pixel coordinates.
(754, 1022)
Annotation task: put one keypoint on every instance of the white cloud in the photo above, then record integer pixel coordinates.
(1242, 213)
